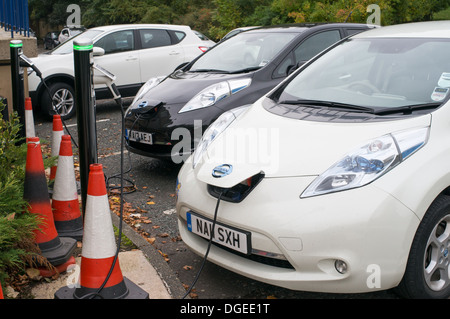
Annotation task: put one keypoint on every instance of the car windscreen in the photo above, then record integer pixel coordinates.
(375, 73)
(67, 47)
(244, 51)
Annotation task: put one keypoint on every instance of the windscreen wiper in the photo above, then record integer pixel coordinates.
(245, 70)
(407, 109)
(208, 70)
(329, 104)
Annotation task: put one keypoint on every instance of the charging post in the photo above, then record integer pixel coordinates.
(18, 91)
(86, 112)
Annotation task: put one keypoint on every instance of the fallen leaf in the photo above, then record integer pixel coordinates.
(187, 267)
(165, 256)
(33, 273)
(150, 203)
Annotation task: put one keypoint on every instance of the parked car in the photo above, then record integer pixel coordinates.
(236, 31)
(232, 73)
(338, 179)
(51, 40)
(69, 32)
(208, 43)
(133, 53)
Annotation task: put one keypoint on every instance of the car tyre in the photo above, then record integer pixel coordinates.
(60, 99)
(427, 273)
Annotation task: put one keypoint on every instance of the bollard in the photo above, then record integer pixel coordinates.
(18, 92)
(84, 102)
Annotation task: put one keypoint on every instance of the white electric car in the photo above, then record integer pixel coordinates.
(134, 53)
(338, 180)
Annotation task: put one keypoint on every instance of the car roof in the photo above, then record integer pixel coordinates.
(136, 26)
(430, 29)
(300, 27)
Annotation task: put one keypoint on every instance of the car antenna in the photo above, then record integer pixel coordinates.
(348, 17)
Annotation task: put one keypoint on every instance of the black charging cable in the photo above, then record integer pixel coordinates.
(207, 249)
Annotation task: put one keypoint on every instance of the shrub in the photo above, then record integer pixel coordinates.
(17, 225)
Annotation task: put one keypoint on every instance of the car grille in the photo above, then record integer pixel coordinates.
(237, 193)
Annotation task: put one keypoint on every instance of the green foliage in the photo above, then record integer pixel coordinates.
(16, 224)
(217, 17)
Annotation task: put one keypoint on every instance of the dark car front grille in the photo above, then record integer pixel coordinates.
(152, 149)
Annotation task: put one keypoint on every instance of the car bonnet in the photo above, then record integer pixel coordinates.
(277, 146)
(180, 87)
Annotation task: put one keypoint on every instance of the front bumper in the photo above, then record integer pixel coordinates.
(367, 228)
(174, 135)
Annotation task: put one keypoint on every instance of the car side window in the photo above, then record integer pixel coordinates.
(179, 35)
(153, 38)
(120, 41)
(315, 44)
(285, 66)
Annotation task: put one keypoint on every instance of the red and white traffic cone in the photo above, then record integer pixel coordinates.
(57, 133)
(29, 119)
(65, 204)
(98, 256)
(57, 250)
(1, 292)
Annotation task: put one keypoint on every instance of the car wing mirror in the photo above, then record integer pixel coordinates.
(97, 51)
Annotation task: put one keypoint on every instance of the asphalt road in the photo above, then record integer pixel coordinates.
(154, 200)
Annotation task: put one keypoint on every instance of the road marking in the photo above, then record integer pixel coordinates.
(104, 120)
(112, 154)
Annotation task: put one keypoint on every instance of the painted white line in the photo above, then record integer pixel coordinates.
(104, 120)
(112, 154)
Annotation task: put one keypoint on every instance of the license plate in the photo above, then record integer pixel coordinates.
(227, 236)
(140, 137)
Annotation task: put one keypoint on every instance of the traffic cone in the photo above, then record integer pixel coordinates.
(99, 250)
(1, 292)
(66, 208)
(58, 132)
(29, 119)
(57, 250)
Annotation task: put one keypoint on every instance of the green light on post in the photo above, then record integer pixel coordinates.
(15, 45)
(83, 47)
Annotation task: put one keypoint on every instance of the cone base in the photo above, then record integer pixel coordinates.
(60, 252)
(70, 228)
(44, 272)
(134, 292)
(75, 234)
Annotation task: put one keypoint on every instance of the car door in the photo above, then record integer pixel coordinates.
(158, 55)
(121, 57)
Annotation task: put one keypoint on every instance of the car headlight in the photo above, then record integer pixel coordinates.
(215, 93)
(214, 130)
(150, 84)
(368, 162)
